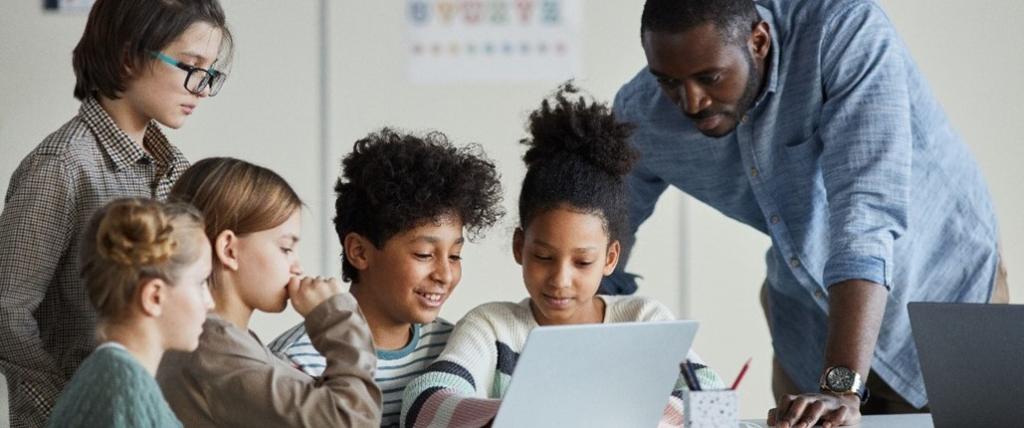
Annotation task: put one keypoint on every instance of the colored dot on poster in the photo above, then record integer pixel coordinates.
(560, 48)
(417, 49)
(524, 47)
(542, 48)
(489, 48)
(507, 48)
(419, 11)
(435, 49)
(453, 48)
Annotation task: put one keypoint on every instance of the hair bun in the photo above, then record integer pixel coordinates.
(571, 124)
(133, 234)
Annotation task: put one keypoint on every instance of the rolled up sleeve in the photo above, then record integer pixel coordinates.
(866, 135)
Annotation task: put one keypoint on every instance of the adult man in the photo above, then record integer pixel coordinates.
(808, 120)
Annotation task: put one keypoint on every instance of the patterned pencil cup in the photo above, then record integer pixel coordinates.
(711, 409)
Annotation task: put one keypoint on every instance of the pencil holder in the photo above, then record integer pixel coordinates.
(711, 409)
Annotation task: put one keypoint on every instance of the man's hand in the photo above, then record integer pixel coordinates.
(308, 292)
(855, 316)
(806, 410)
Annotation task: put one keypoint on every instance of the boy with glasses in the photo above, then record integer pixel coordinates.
(138, 63)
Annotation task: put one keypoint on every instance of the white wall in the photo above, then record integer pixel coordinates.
(711, 272)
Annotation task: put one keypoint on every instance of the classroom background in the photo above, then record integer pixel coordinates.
(311, 77)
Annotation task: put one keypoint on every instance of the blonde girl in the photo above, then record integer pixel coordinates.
(145, 265)
(254, 223)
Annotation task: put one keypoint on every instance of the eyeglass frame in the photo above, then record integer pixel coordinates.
(213, 74)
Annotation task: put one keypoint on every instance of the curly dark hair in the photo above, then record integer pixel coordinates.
(578, 157)
(393, 182)
(734, 19)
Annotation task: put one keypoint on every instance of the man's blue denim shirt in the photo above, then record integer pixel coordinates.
(847, 161)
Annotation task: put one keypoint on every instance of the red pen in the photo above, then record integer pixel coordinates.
(743, 371)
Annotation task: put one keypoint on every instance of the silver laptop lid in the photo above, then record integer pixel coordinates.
(972, 359)
(597, 375)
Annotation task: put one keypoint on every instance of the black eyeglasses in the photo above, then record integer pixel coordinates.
(197, 79)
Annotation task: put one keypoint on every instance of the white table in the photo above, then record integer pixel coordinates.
(920, 420)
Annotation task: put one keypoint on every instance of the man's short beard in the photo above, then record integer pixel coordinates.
(750, 91)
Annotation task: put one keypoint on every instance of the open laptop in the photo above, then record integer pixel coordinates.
(972, 358)
(597, 375)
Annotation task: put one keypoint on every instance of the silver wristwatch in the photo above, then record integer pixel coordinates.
(843, 380)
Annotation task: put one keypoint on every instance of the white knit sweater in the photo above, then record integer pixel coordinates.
(463, 387)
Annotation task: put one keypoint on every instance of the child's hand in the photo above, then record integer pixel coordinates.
(308, 292)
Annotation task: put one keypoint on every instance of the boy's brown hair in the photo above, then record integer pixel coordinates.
(120, 36)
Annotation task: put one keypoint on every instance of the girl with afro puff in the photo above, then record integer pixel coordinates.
(572, 214)
(403, 203)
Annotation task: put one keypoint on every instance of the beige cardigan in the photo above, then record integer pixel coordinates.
(232, 379)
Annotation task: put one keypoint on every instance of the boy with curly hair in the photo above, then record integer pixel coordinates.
(403, 202)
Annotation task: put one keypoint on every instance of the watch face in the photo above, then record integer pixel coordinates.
(840, 379)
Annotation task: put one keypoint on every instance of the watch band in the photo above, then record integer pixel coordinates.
(852, 381)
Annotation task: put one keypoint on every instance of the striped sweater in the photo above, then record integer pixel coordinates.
(395, 368)
(464, 387)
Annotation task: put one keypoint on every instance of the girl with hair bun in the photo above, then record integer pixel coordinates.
(145, 265)
(572, 214)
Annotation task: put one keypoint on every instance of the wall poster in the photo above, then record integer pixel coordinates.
(493, 40)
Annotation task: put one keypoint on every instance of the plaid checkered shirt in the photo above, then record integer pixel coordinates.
(47, 326)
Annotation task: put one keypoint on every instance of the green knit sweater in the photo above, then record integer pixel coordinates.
(111, 389)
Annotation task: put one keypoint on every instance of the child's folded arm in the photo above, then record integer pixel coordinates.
(279, 395)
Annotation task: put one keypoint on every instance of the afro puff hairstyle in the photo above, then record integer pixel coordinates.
(577, 158)
(393, 182)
